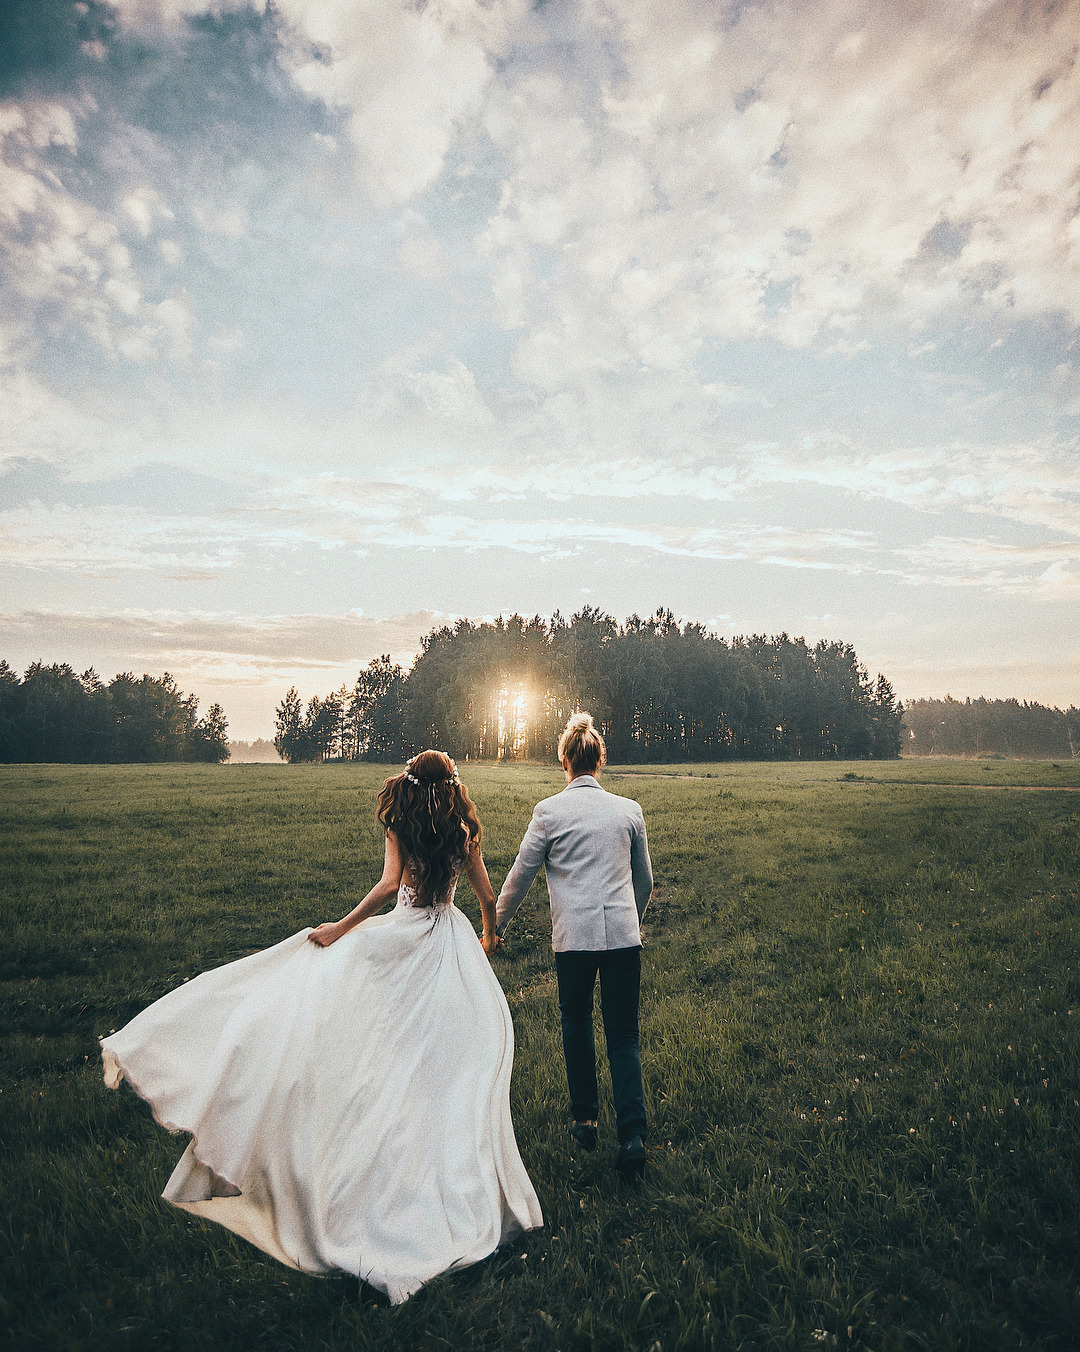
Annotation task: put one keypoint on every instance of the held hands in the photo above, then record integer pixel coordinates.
(325, 935)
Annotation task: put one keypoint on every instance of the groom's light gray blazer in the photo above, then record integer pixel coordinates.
(593, 846)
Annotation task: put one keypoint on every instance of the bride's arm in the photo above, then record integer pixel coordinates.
(481, 884)
(380, 894)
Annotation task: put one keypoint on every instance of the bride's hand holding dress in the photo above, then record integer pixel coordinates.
(387, 886)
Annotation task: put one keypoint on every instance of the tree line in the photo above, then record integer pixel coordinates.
(658, 690)
(981, 727)
(53, 714)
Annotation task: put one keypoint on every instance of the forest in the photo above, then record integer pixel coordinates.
(990, 727)
(659, 691)
(53, 714)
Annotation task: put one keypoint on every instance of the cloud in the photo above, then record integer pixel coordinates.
(93, 541)
(809, 173)
(145, 207)
(1049, 569)
(134, 193)
(762, 543)
(96, 541)
(452, 394)
(263, 641)
(63, 258)
(582, 478)
(671, 179)
(682, 172)
(179, 525)
(405, 77)
(1035, 485)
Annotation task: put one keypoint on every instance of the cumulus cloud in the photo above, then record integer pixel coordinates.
(670, 177)
(694, 172)
(407, 77)
(805, 172)
(91, 435)
(63, 257)
(428, 393)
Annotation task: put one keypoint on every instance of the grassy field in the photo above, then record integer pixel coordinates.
(860, 1040)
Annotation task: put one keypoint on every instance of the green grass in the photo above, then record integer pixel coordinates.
(859, 1038)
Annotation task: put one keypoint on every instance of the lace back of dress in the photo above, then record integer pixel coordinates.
(407, 894)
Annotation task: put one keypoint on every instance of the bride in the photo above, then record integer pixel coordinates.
(348, 1090)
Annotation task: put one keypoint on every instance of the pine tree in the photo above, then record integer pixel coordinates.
(289, 726)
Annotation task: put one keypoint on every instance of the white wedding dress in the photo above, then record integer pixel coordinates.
(349, 1106)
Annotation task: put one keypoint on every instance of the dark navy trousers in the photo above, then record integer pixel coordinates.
(619, 970)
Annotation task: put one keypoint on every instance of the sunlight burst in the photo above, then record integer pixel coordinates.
(513, 714)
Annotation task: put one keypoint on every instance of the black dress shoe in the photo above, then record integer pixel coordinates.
(584, 1135)
(630, 1161)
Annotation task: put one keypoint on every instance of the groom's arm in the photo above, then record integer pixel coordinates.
(640, 865)
(530, 858)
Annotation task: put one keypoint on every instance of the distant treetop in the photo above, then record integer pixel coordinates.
(990, 727)
(52, 714)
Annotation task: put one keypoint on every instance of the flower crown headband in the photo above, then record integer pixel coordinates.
(452, 778)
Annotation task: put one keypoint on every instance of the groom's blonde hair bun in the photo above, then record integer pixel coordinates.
(582, 745)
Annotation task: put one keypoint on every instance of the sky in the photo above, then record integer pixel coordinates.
(327, 322)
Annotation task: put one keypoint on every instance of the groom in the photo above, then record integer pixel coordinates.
(593, 847)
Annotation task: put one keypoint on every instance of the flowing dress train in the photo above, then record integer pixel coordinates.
(349, 1106)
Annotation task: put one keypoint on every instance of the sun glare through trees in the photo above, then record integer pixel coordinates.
(513, 721)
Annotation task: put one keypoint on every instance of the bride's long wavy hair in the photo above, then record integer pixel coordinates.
(434, 819)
